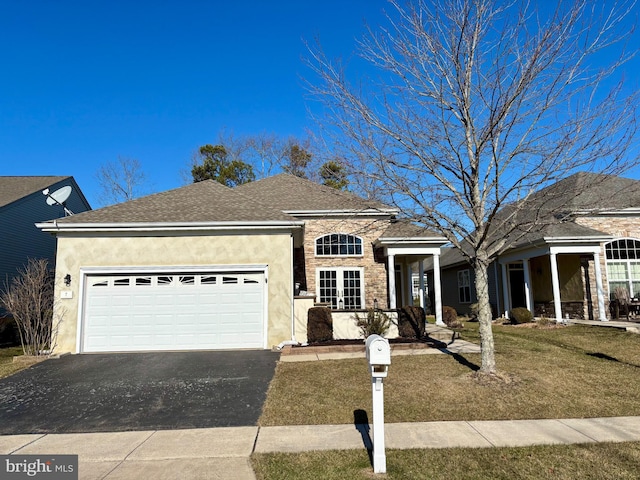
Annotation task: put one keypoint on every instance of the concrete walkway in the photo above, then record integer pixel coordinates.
(223, 453)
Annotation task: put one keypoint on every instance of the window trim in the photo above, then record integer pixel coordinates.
(357, 241)
(627, 262)
(340, 285)
(464, 287)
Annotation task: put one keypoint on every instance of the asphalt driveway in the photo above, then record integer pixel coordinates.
(137, 391)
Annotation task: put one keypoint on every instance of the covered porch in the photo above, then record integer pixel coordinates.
(404, 255)
(560, 278)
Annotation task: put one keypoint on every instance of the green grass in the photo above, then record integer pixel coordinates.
(614, 461)
(576, 371)
(7, 367)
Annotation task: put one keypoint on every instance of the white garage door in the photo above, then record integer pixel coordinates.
(173, 311)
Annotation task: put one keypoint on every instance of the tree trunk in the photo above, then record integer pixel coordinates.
(481, 268)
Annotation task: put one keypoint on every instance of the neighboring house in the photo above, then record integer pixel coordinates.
(209, 267)
(22, 205)
(569, 266)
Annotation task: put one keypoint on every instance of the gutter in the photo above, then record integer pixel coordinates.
(56, 227)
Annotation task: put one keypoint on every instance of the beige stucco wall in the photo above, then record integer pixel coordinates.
(274, 250)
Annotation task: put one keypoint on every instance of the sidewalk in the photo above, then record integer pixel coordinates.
(223, 453)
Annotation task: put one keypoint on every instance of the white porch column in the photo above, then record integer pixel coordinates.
(391, 272)
(421, 273)
(437, 289)
(505, 290)
(528, 293)
(408, 296)
(555, 282)
(599, 288)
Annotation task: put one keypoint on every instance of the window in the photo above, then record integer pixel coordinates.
(341, 288)
(464, 286)
(339, 244)
(623, 266)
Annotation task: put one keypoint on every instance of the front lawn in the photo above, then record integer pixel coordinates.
(576, 371)
(7, 367)
(605, 461)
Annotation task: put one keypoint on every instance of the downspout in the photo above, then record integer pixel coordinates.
(495, 273)
(284, 343)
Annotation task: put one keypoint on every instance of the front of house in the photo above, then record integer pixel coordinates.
(209, 267)
(566, 269)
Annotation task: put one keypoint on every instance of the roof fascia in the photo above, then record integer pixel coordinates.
(622, 212)
(55, 227)
(342, 213)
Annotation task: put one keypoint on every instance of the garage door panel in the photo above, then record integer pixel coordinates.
(174, 312)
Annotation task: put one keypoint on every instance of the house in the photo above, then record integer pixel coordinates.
(22, 204)
(569, 266)
(209, 267)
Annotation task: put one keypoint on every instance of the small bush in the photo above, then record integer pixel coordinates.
(411, 322)
(544, 321)
(520, 315)
(450, 317)
(376, 322)
(8, 332)
(319, 325)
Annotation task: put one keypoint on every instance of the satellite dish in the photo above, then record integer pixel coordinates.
(59, 197)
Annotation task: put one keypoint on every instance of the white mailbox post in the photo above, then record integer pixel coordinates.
(379, 358)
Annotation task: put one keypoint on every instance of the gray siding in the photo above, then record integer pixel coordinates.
(21, 239)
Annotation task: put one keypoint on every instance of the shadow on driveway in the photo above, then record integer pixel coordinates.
(137, 391)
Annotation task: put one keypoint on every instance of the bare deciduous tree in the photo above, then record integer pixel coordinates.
(29, 299)
(477, 105)
(121, 181)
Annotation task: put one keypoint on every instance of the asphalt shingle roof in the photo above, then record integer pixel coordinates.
(406, 229)
(290, 193)
(15, 188)
(206, 201)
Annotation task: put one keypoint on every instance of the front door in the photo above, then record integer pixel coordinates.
(516, 286)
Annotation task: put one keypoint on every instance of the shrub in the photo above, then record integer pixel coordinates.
(376, 322)
(450, 317)
(411, 322)
(520, 315)
(319, 325)
(29, 300)
(8, 332)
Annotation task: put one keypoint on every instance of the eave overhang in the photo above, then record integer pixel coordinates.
(56, 227)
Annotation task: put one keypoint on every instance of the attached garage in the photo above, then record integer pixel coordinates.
(173, 311)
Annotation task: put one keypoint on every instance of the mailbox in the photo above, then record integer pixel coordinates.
(378, 355)
(379, 359)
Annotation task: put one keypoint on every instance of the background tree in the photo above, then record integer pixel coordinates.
(476, 105)
(334, 175)
(216, 165)
(297, 160)
(121, 181)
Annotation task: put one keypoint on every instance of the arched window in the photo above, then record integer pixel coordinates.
(623, 265)
(338, 244)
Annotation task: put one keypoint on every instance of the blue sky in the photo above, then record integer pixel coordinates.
(85, 82)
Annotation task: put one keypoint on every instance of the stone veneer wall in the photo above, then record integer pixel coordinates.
(372, 260)
(618, 226)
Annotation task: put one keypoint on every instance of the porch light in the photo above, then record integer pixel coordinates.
(375, 304)
(340, 304)
(67, 280)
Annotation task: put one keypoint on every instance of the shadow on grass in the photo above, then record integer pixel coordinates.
(604, 356)
(463, 361)
(361, 422)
